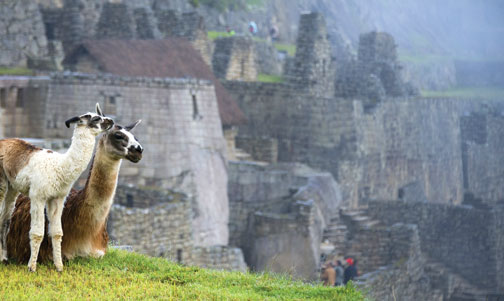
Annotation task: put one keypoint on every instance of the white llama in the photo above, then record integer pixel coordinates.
(46, 177)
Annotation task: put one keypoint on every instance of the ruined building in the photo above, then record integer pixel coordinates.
(345, 154)
(380, 142)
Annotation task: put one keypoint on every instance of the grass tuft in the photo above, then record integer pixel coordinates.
(289, 48)
(268, 78)
(124, 275)
(15, 71)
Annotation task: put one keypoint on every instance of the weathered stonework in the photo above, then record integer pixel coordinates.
(162, 230)
(188, 25)
(313, 69)
(375, 153)
(21, 33)
(261, 149)
(462, 238)
(273, 208)
(234, 58)
(157, 222)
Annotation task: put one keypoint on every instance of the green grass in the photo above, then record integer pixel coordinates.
(291, 49)
(212, 35)
(268, 78)
(15, 71)
(123, 275)
(492, 93)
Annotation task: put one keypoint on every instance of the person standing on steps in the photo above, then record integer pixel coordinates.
(350, 271)
(339, 273)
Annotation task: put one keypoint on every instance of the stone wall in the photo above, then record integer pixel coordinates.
(375, 74)
(22, 33)
(459, 237)
(267, 205)
(219, 257)
(116, 22)
(268, 61)
(189, 25)
(482, 162)
(313, 69)
(22, 101)
(375, 152)
(158, 223)
(261, 149)
(234, 58)
(163, 230)
(286, 243)
(403, 276)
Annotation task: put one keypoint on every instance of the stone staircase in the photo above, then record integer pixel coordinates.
(341, 228)
(453, 286)
(335, 234)
(343, 231)
(241, 155)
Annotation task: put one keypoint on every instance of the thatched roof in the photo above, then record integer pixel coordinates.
(172, 57)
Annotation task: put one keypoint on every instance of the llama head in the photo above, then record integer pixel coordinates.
(120, 143)
(95, 122)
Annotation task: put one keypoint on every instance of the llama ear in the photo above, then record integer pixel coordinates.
(72, 120)
(98, 110)
(130, 127)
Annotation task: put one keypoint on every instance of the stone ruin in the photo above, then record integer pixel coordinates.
(364, 133)
(375, 74)
(234, 58)
(438, 158)
(158, 223)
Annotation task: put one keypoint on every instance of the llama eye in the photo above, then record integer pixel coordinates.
(96, 118)
(118, 136)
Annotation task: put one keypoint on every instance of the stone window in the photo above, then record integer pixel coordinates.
(179, 255)
(196, 115)
(111, 106)
(129, 201)
(3, 98)
(110, 103)
(49, 31)
(20, 98)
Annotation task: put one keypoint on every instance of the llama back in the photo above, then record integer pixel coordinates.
(14, 155)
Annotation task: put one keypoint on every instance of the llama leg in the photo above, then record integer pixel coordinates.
(8, 206)
(54, 211)
(36, 230)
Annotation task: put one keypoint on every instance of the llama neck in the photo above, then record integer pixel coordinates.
(79, 154)
(102, 182)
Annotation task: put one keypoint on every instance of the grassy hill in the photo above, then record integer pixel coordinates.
(124, 275)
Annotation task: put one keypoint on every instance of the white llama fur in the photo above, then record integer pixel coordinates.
(47, 179)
